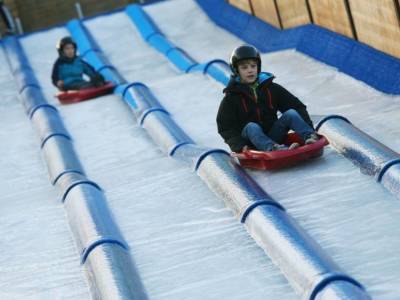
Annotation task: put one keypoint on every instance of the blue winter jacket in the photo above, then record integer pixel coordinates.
(71, 70)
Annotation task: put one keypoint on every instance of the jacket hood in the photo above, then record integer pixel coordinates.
(234, 84)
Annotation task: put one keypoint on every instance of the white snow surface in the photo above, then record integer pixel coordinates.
(186, 244)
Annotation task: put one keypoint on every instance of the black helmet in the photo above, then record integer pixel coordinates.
(63, 42)
(241, 53)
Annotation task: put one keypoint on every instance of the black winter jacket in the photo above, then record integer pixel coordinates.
(239, 107)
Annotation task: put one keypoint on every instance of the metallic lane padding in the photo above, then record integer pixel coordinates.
(61, 158)
(47, 125)
(303, 262)
(90, 218)
(391, 180)
(108, 264)
(104, 253)
(372, 157)
(164, 132)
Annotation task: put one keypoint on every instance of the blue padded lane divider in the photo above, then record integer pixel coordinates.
(86, 44)
(88, 213)
(358, 60)
(244, 196)
(179, 57)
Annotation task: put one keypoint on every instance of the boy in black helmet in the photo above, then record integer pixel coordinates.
(247, 116)
(69, 68)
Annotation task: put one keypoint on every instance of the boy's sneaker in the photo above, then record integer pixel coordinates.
(294, 146)
(278, 147)
(311, 139)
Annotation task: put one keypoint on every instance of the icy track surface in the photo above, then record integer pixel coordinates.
(186, 243)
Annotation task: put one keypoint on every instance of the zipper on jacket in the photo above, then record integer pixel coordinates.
(244, 105)
(269, 98)
(258, 114)
(257, 107)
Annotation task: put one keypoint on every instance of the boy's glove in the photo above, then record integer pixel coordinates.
(98, 80)
(60, 85)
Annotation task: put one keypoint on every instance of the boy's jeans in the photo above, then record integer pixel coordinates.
(290, 119)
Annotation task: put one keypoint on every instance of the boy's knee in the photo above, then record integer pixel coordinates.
(252, 126)
(291, 112)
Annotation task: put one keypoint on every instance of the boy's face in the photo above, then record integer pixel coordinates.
(248, 70)
(69, 50)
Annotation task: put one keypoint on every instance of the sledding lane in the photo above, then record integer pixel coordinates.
(170, 219)
(138, 62)
(350, 215)
(38, 257)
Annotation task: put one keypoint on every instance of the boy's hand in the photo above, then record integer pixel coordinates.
(60, 84)
(98, 80)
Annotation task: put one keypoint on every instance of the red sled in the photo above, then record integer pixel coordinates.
(75, 96)
(271, 160)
